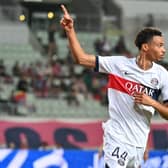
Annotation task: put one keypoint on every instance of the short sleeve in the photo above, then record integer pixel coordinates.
(106, 64)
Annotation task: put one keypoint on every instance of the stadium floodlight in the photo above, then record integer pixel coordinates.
(50, 15)
(22, 18)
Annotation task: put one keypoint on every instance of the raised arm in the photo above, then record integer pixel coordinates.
(144, 99)
(80, 56)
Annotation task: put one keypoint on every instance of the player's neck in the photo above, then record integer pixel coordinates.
(143, 63)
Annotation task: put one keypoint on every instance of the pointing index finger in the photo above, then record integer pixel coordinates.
(64, 9)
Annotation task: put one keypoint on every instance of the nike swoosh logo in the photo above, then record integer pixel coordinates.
(128, 73)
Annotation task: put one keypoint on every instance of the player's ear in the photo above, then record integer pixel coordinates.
(145, 47)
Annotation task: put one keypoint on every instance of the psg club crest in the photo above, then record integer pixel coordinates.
(154, 81)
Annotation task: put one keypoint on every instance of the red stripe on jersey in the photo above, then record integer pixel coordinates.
(124, 85)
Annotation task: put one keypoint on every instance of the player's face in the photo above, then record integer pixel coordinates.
(156, 49)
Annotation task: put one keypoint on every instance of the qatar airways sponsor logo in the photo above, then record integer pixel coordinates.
(133, 87)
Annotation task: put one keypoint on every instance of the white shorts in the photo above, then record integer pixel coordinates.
(121, 155)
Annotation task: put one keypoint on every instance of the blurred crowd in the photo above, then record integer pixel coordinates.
(56, 78)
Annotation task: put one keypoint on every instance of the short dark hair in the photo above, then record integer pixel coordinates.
(145, 35)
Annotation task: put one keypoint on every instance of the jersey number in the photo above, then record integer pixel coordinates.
(117, 154)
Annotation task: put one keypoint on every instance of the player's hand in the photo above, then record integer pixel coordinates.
(142, 98)
(67, 21)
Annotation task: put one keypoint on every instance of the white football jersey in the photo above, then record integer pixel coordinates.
(128, 121)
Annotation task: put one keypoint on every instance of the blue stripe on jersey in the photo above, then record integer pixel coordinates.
(154, 93)
(165, 101)
(96, 69)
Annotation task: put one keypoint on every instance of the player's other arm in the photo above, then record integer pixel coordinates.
(80, 56)
(142, 98)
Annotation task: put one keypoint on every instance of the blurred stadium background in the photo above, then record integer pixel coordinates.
(47, 102)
